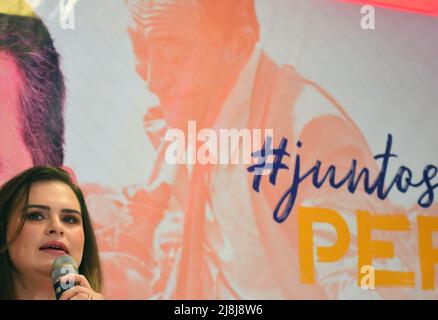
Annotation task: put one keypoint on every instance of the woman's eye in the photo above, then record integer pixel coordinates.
(71, 220)
(34, 216)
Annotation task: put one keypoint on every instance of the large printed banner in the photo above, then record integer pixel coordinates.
(236, 149)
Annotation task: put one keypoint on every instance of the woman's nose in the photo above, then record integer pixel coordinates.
(55, 226)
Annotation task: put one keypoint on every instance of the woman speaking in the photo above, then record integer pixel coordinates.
(43, 216)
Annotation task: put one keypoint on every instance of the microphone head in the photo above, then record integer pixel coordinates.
(62, 266)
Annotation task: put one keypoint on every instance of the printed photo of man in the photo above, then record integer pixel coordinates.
(201, 59)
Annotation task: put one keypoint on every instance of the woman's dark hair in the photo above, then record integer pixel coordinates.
(13, 193)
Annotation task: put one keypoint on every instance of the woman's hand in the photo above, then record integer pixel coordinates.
(81, 291)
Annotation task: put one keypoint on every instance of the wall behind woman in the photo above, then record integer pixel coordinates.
(384, 78)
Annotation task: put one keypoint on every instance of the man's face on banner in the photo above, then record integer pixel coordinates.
(183, 58)
(14, 155)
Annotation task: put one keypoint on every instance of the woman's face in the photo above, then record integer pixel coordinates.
(53, 227)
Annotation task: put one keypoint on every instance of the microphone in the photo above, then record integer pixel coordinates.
(62, 266)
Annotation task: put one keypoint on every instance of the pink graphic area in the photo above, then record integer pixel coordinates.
(125, 226)
(427, 7)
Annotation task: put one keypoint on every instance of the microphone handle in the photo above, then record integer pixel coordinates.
(60, 288)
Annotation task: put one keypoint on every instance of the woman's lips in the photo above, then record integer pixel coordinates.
(55, 252)
(55, 247)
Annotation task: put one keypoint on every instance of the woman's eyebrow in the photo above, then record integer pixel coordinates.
(47, 208)
(37, 206)
(70, 211)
